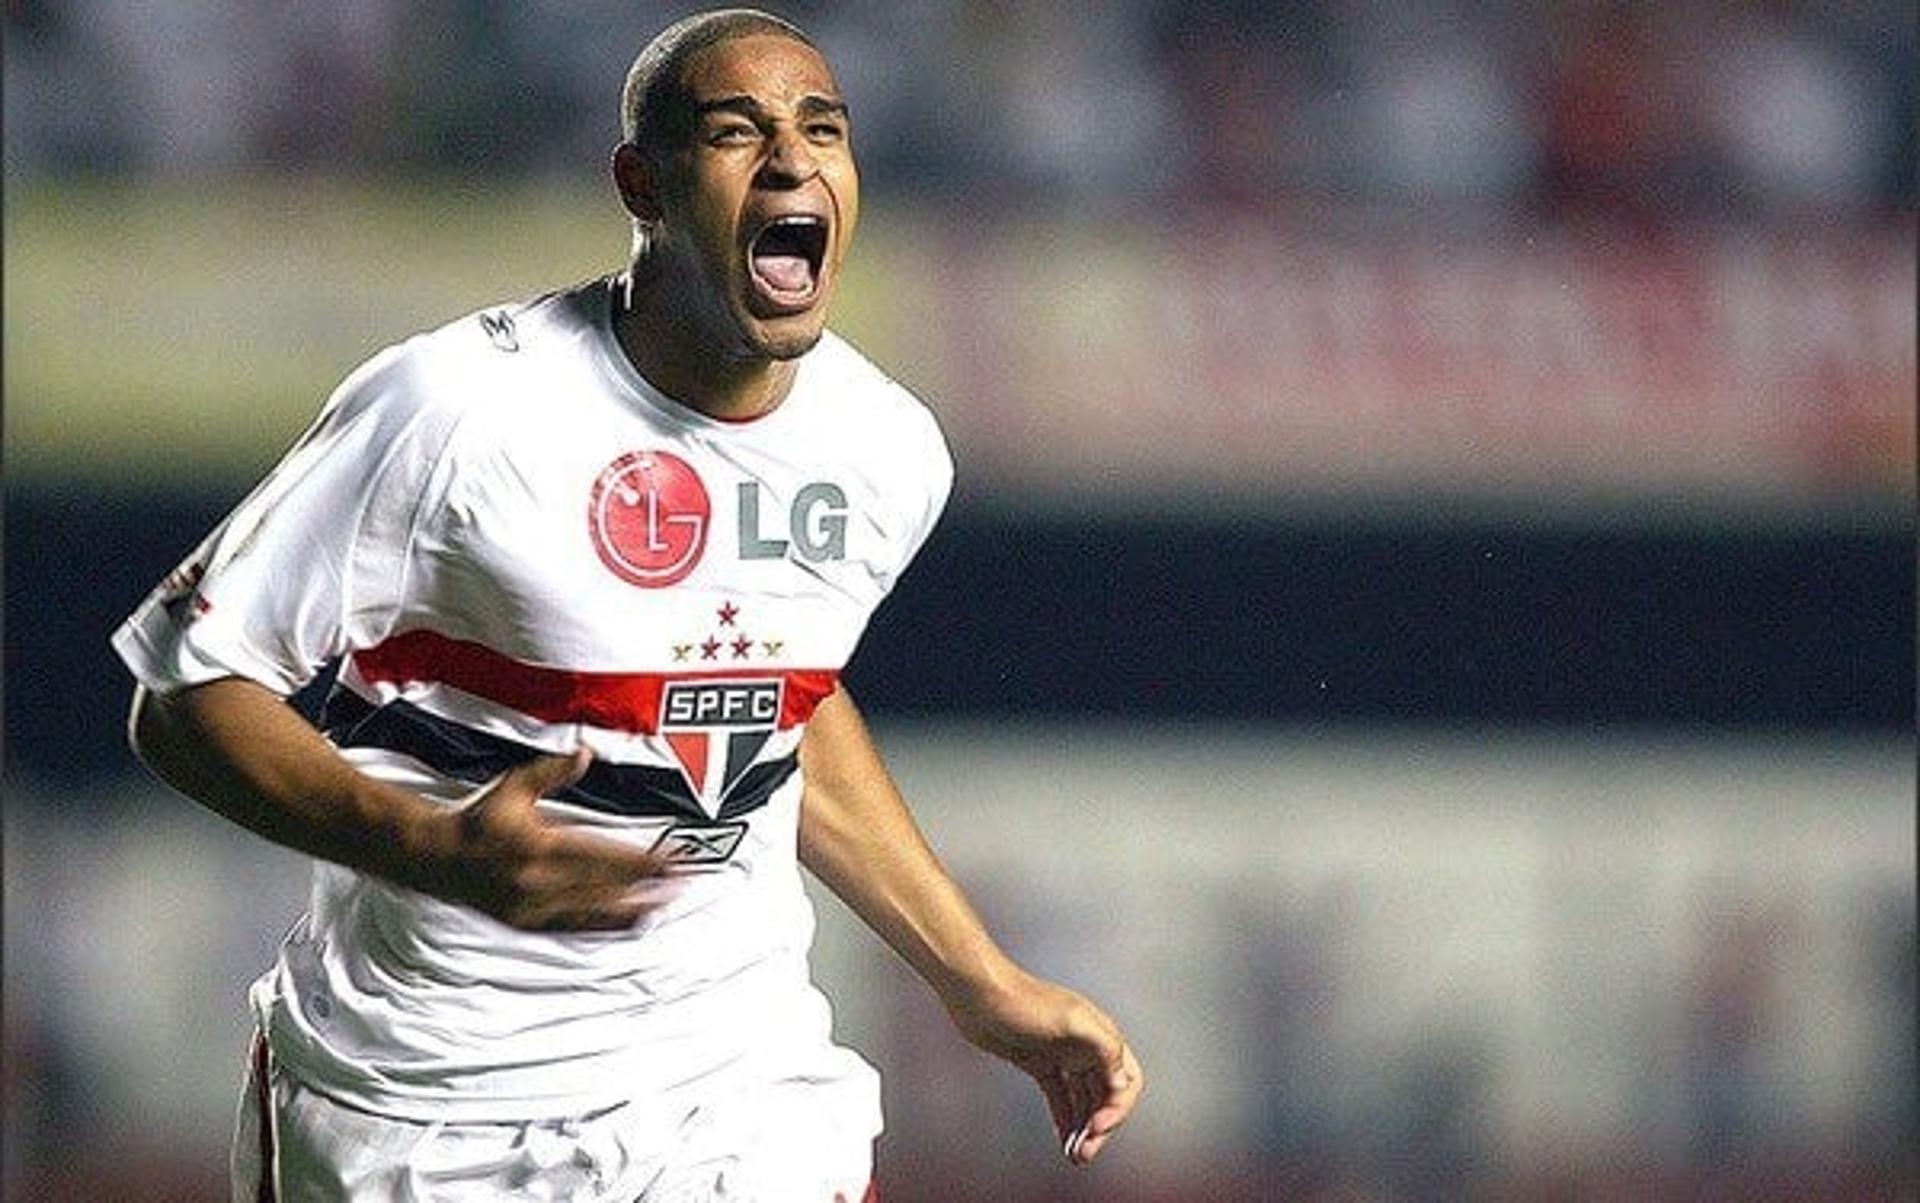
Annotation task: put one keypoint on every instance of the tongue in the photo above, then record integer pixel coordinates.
(788, 273)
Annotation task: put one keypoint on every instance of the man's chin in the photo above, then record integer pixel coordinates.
(787, 337)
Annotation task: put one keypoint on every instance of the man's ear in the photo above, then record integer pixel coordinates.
(637, 181)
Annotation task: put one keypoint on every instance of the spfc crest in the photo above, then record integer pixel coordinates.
(716, 729)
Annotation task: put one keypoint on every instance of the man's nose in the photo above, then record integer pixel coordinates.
(790, 160)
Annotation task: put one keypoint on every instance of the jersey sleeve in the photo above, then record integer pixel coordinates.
(933, 483)
(314, 560)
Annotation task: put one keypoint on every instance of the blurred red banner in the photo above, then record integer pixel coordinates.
(1719, 365)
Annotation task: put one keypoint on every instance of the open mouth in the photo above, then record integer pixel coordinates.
(785, 259)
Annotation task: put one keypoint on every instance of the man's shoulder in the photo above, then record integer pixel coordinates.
(891, 431)
(493, 338)
(869, 393)
(848, 367)
(458, 364)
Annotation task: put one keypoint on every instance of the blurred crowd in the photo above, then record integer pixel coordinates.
(1784, 109)
(1446, 967)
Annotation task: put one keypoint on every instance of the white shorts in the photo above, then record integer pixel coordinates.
(781, 1139)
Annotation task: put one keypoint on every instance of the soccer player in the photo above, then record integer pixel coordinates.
(591, 566)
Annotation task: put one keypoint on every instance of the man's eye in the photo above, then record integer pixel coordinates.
(733, 135)
(826, 131)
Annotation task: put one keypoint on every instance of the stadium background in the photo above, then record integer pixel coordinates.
(1424, 630)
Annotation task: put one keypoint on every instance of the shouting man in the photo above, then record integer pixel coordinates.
(590, 567)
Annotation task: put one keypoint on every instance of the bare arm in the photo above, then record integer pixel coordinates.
(240, 751)
(858, 837)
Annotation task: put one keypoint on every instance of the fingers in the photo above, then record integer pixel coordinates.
(1080, 1090)
(1059, 1103)
(595, 883)
(514, 792)
(1095, 1078)
(1121, 1087)
(594, 913)
(601, 859)
(584, 883)
(1073, 1051)
(542, 875)
(544, 775)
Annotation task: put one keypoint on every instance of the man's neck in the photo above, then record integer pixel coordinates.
(670, 353)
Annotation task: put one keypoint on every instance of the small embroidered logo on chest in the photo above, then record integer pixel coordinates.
(648, 516)
(500, 331)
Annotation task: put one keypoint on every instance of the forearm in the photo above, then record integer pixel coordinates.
(858, 837)
(237, 749)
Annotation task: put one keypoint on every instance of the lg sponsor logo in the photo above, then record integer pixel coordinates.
(650, 513)
(816, 524)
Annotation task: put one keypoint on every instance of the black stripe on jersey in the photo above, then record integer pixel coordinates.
(628, 790)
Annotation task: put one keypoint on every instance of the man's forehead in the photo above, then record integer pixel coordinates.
(765, 67)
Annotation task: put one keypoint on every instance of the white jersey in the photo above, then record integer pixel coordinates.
(516, 543)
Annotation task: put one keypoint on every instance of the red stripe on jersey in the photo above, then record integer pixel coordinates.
(612, 701)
